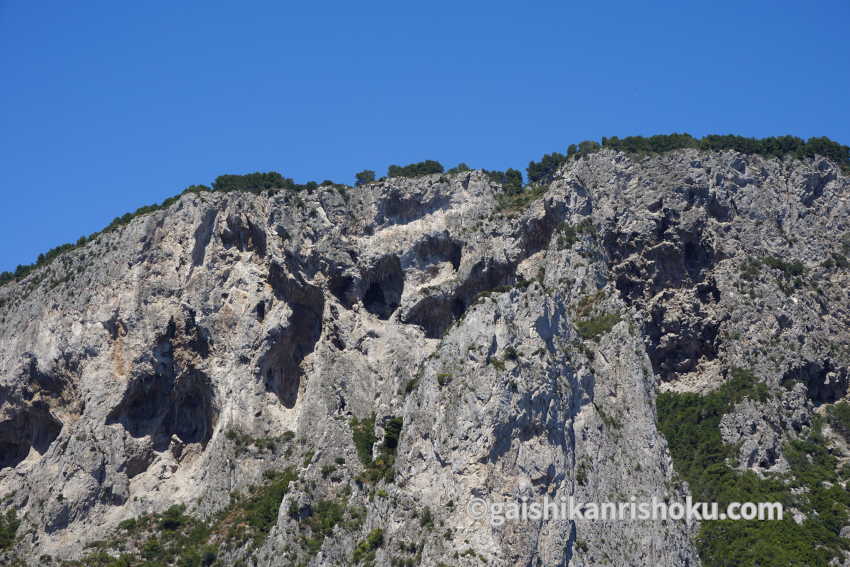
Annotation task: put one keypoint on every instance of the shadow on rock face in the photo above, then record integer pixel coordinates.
(170, 398)
(244, 235)
(398, 208)
(436, 313)
(27, 421)
(437, 248)
(680, 340)
(28, 427)
(673, 257)
(824, 382)
(287, 346)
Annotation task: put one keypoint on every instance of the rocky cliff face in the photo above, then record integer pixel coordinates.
(503, 350)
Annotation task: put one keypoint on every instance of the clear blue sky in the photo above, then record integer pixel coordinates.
(107, 106)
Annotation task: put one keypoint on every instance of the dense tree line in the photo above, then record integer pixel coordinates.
(418, 169)
(777, 146)
(258, 182)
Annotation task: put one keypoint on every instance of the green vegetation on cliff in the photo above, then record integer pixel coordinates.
(691, 424)
(9, 524)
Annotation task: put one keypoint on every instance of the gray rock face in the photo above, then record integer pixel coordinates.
(522, 350)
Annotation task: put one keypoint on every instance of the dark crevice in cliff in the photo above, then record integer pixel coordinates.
(383, 285)
(287, 345)
(192, 413)
(203, 235)
(675, 257)
(27, 409)
(244, 235)
(398, 208)
(538, 232)
(193, 336)
(672, 257)
(342, 287)
(702, 196)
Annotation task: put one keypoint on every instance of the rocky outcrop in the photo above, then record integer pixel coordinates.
(520, 348)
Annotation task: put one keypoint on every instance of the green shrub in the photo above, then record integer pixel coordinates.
(364, 177)
(839, 419)
(254, 182)
(459, 168)
(365, 550)
(515, 200)
(411, 385)
(9, 524)
(595, 327)
(173, 518)
(364, 439)
(568, 234)
(750, 269)
(261, 508)
(545, 170)
(392, 432)
(788, 269)
(325, 515)
(426, 520)
(363, 433)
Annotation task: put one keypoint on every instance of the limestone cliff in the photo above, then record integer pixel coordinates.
(503, 348)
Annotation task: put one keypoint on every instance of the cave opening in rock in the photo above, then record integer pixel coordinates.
(385, 287)
(341, 287)
(172, 400)
(30, 427)
(163, 405)
(434, 249)
(191, 416)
